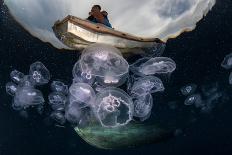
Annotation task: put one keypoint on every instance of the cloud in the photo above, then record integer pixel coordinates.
(147, 18)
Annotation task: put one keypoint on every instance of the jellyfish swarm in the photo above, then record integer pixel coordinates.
(114, 108)
(105, 63)
(151, 66)
(23, 87)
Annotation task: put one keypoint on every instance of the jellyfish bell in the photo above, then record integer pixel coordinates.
(11, 88)
(227, 61)
(57, 100)
(27, 96)
(105, 63)
(16, 76)
(80, 77)
(39, 73)
(82, 93)
(157, 65)
(189, 89)
(114, 108)
(58, 86)
(146, 85)
(142, 106)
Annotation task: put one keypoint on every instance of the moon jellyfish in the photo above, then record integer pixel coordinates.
(81, 93)
(73, 113)
(58, 86)
(106, 63)
(57, 100)
(26, 97)
(193, 99)
(155, 51)
(27, 81)
(79, 76)
(146, 85)
(16, 76)
(114, 107)
(227, 62)
(230, 79)
(151, 66)
(188, 89)
(142, 106)
(11, 88)
(39, 73)
(58, 116)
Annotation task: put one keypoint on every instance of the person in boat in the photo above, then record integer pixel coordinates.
(97, 16)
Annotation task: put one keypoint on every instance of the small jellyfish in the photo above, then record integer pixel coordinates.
(11, 88)
(151, 66)
(155, 51)
(26, 97)
(142, 106)
(79, 76)
(58, 116)
(227, 62)
(82, 93)
(16, 76)
(114, 107)
(193, 99)
(27, 81)
(73, 113)
(39, 73)
(58, 86)
(188, 89)
(230, 79)
(57, 100)
(105, 63)
(147, 84)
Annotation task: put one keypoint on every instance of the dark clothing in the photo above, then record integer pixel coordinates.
(94, 20)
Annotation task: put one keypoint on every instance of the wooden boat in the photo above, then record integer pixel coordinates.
(77, 34)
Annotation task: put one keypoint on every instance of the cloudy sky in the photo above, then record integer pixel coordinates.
(148, 18)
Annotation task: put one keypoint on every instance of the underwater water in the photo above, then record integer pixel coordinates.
(198, 56)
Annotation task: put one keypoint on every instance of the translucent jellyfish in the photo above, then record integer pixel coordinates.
(57, 100)
(58, 86)
(114, 107)
(151, 66)
(227, 62)
(79, 76)
(27, 81)
(73, 113)
(146, 85)
(81, 93)
(230, 79)
(39, 73)
(188, 89)
(155, 51)
(193, 99)
(142, 106)
(26, 97)
(16, 76)
(58, 116)
(106, 63)
(11, 88)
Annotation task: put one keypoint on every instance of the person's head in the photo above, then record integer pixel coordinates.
(96, 8)
(104, 13)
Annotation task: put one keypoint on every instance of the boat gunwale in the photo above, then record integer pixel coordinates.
(100, 28)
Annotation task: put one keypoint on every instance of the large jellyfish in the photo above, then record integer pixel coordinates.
(151, 66)
(105, 63)
(114, 107)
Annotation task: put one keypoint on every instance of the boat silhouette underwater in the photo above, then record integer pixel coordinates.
(77, 34)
